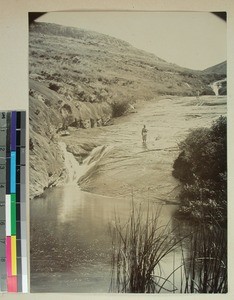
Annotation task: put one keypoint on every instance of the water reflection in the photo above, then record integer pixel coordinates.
(69, 235)
(144, 146)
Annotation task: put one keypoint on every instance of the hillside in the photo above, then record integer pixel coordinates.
(220, 69)
(91, 67)
(83, 79)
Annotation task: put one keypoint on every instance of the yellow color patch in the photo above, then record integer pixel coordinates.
(13, 255)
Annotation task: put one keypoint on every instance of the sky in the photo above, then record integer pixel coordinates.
(195, 40)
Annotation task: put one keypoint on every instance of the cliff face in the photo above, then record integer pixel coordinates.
(79, 78)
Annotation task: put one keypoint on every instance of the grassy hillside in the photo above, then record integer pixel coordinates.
(220, 69)
(83, 79)
(91, 67)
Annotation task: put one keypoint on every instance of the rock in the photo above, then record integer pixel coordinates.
(65, 133)
(99, 122)
(76, 59)
(93, 123)
(86, 123)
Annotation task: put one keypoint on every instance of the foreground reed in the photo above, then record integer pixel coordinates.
(142, 244)
(205, 267)
(139, 246)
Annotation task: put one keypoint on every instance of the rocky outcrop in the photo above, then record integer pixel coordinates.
(81, 151)
(49, 115)
(45, 156)
(71, 113)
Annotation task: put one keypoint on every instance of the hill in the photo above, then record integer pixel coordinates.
(83, 79)
(220, 69)
(90, 67)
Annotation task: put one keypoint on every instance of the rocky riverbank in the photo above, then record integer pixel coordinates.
(145, 170)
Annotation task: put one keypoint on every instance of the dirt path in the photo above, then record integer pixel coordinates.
(146, 170)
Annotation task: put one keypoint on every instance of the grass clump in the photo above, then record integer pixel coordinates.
(139, 247)
(142, 245)
(205, 265)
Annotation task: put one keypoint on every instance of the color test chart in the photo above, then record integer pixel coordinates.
(13, 229)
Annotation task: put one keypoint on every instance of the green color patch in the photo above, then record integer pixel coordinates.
(13, 214)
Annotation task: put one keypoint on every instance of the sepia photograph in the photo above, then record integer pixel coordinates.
(128, 152)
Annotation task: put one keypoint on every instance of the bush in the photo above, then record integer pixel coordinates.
(119, 108)
(202, 168)
(204, 154)
(54, 87)
(207, 91)
(48, 102)
(182, 169)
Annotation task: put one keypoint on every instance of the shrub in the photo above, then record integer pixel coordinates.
(207, 91)
(202, 168)
(119, 108)
(204, 153)
(48, 102)
(54, 86)
(182, 169)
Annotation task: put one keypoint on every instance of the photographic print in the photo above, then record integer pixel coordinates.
(128, 152)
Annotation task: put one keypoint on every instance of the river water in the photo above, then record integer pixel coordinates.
(70, 241)
(71, 244)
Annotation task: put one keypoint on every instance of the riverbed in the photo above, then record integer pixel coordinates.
(70, 241)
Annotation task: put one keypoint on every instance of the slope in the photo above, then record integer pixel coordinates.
(76, 79)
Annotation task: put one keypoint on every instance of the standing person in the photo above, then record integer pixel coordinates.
(144, 134)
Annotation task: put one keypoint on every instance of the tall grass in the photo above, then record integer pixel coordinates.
(142, 244)
(205, 267)
(139, 246)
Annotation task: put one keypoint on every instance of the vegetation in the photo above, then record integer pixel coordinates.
(142, 244)
(64, 58)
(202, 168)
(119, 108)
(205, 265)
(139, 247)
(54, 86)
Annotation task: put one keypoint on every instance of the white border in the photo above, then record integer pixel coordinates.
(14, 89)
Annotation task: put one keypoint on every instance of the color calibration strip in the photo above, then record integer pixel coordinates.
(13, 231)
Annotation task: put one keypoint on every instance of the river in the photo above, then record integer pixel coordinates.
(70, 243)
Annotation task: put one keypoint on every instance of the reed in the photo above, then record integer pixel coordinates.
(139, 246)
(205, 267)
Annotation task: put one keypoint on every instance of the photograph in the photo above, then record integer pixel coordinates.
(128, 152)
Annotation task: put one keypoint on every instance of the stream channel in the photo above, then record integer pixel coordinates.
(70, 241)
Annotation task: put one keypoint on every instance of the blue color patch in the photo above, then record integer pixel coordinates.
(13, 172)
